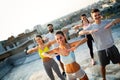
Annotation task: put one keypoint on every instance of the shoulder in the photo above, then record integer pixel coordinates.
(47, 34)
(90, 20)
(72, 43)
(90, 26)
(47, 45)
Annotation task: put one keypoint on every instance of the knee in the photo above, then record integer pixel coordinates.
(85, 77)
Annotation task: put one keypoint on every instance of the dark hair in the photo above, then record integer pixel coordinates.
(95, 10)
(50, 25)
(60, 32)
(83, 15)
(38, 35)
(86, 18)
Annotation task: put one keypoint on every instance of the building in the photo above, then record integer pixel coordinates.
(39, 29)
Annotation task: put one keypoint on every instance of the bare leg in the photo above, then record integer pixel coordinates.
(62, 66)
(103, 71)
(85, 77)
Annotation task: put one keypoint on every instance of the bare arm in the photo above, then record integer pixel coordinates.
(112, 23)
(75, 44)
(49, 44)
(77, 26)
(87, 31)
(49, 53)
(32, 50)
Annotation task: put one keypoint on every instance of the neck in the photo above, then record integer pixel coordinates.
(63, 46)
(41, 45)
(98, 21)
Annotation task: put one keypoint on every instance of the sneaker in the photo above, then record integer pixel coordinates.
(64, 74)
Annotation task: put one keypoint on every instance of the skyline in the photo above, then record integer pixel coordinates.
(17, 16)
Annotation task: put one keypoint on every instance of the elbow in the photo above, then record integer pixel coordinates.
(80, 33)
(117, 21)
(85, 39)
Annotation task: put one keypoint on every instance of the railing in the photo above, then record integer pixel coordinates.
(15, 50)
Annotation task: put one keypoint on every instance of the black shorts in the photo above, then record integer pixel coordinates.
(108, 54)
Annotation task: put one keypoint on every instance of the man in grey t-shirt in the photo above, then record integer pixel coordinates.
(102, 36)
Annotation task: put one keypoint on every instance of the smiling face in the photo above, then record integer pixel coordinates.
(84, 18)
(96, 16)
(60, 39)
(39, 40)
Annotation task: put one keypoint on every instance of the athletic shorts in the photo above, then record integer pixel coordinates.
(58, 57)
(109, 54)
(73, 76)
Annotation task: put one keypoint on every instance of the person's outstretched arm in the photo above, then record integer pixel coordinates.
(76, 44)
(76, 27)
(32, 50)
(50, 43)
(51, 52)
(87, 31)
(112, 23)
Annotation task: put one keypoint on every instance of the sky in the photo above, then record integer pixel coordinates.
(18, 15)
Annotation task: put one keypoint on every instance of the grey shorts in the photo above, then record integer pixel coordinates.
(108, 54)
(73, 76)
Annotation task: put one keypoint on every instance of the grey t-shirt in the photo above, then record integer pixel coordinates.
(103, 37)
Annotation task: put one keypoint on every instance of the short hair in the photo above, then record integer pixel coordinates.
(50, 25)
(95, 10)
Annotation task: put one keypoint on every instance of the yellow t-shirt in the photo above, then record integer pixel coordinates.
(40, 51)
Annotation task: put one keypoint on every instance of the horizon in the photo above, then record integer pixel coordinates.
(17, 16)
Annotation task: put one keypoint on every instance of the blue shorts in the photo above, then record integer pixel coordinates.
(58, 57)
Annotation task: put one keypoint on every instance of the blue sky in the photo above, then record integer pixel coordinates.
(18, 15)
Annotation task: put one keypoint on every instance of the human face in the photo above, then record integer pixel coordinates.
(96, 16)
(38, 40)
(83, 18)
(60, 39)
(50, 29)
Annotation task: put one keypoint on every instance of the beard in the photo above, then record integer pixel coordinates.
(51, 30)
(98, 18)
